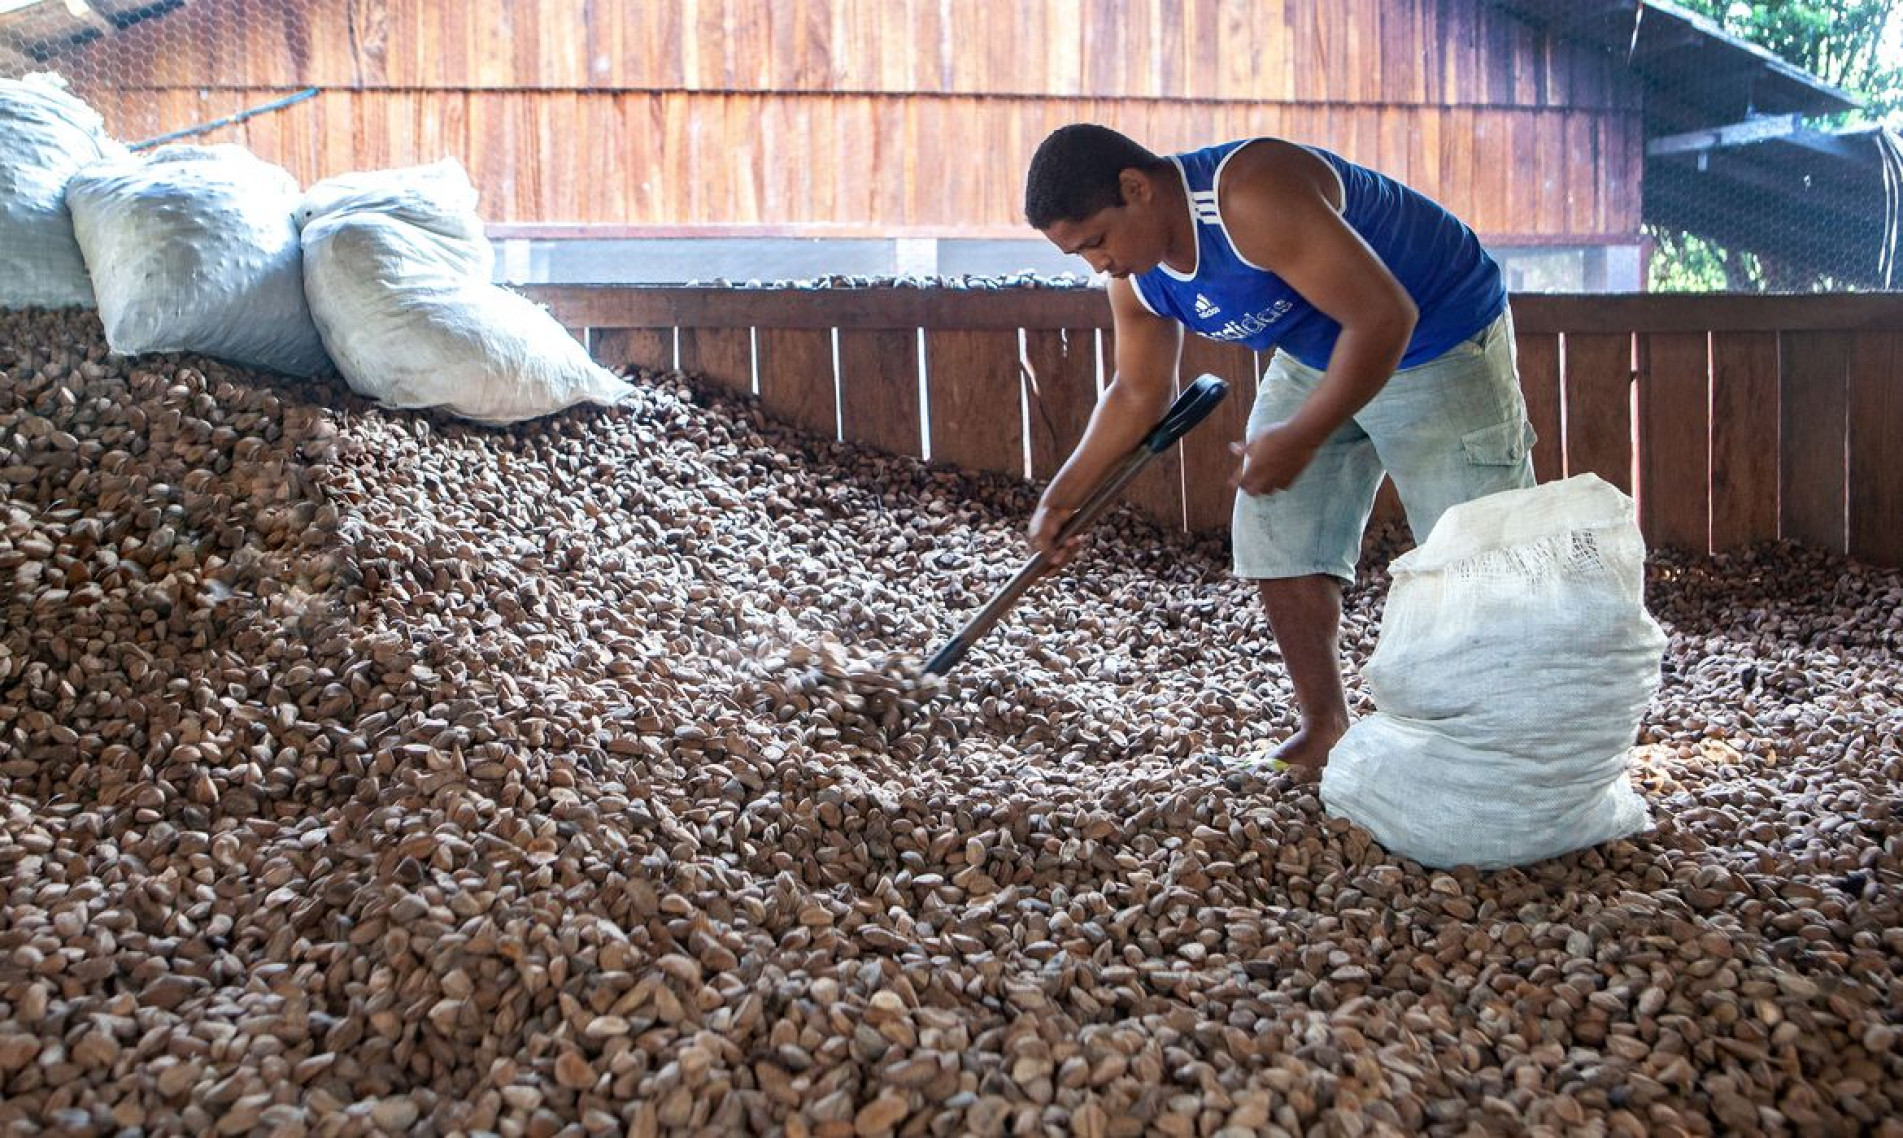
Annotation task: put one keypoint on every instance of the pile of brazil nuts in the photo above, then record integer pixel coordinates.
(367, 772)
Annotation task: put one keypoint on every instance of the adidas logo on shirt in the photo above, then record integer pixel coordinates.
(1205, 309)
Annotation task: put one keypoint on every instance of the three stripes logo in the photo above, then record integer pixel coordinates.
(1203, 202)
(1204, 309)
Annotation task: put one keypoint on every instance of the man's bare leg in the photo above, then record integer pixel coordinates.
(1305, 615)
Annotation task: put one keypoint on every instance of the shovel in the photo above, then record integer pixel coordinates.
(1190, 408)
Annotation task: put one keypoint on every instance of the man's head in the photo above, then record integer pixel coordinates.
(1094, 192)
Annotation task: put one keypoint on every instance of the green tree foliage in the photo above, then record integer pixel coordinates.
(1851, 44)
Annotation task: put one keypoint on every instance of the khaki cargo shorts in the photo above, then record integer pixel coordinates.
(1447, 431)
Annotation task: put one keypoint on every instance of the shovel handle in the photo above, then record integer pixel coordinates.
(1189, 409)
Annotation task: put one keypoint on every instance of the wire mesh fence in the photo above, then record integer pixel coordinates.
(1749, 170)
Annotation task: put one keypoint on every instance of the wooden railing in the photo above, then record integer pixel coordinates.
(1732, 419)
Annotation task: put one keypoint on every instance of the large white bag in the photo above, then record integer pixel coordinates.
(1515, 660)
(397, 271)
(46, 136)
(194, 249)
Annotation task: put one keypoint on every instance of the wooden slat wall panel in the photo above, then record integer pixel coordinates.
(1596, 373)
(1538, 355)
(1367, 51)
(1813, 369)
(795, 368)
(1208, 499)
(878, 384)
(887, 92)
(1876, 448)
(1062, 395)
(972, 400)
(1817, 406)
(1744, 438)
(649, 160)
(724, 355)
(1674, 439)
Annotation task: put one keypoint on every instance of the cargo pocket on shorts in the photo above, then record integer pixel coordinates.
(1503, 444)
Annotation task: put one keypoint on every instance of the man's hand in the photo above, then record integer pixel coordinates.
(1271, 460)
(1045, 524)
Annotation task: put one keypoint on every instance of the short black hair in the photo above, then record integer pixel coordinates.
(1075, 173)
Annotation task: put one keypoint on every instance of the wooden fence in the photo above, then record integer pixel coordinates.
(1732, 419)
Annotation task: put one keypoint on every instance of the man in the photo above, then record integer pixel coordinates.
(1393, 352)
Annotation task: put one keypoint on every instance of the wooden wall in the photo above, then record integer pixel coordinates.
(1732, 419)
(882, 117)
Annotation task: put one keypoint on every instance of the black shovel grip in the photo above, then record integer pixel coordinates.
(1190, 408)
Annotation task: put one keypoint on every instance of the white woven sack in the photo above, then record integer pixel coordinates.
(194, 249)
(46, 136)
(397, 272)
(1515, 660)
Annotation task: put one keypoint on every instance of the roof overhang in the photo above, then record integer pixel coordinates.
(1734, 152)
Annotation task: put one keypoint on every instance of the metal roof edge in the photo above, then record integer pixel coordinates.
(1705, 25)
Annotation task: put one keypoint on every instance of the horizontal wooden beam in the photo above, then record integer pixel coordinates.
(648, 306)
(1701, 312)
(662, 306)
(1760, 129)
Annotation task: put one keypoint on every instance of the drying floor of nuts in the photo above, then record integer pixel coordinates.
(368, 772)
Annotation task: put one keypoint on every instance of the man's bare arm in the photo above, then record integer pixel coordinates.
(1148, 347)
(1281, 205)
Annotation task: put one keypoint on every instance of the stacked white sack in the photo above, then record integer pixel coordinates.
(195, 249)
(46, 136)
(397, 270)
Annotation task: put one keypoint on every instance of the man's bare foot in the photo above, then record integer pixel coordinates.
(1305, 753)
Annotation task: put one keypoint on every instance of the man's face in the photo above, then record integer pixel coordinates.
(1120, 240)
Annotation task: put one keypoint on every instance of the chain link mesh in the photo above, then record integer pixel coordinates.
(1758, 175)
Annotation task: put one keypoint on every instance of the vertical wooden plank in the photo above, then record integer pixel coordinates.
(1208, 499)
(1538, 355)
(1675, 440)
(1157, 493)
(1061, 392)
(1744, 439)
(971, 399)
(796, 377)
(1495, 172)
(1580, 176)
(878, 385)
(724, 355)
(1596, 374)
(1813, 396)
(633, 347)
(1876, 448)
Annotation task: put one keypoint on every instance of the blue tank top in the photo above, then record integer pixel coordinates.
(1439, 261)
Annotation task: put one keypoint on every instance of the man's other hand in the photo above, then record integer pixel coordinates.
(1272, 460)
